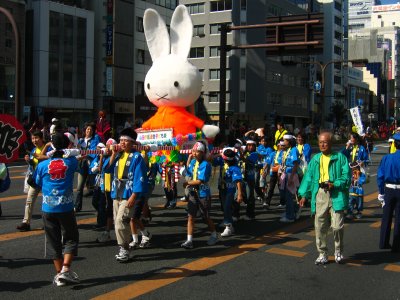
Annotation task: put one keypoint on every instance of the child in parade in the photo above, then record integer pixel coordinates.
(55, 177)
(105, 187)
(128, 191)
(304, 153)
(264, 152)
(88, 142)
(231, 188)
(199, 171)
(274, 163)
(289, 180)
(249, 159)
(33, 191)
(356, 193)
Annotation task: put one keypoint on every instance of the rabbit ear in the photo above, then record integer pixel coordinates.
(156, 34)
(181, 31)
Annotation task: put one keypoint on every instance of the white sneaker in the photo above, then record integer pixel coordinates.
(104, 237)
(68, 277)
(183, 198)
(57, 282)
(133, 245)
(228, 231)
(124, 255)
(321, 260)
(145, 242)
(339, 258)
(285, 220)
(212, 240)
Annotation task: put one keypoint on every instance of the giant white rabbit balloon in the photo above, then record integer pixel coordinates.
(172, 83)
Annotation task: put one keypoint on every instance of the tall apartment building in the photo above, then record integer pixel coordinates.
(359, 14)
(8, 57)
(59, 77)
(122, 58)
(259, 89)
(380, 45)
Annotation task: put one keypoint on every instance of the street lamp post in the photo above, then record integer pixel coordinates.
(323, 69)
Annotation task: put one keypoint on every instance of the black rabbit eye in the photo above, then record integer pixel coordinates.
(148, 85)
(176, 83)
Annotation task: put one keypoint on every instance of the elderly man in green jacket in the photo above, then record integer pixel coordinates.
(326, 182)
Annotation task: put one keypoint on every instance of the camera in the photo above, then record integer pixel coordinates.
(324, 185)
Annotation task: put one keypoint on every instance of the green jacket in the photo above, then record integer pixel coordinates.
(339, 174)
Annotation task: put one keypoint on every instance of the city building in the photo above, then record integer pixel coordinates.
(59, 72)
(384, 55)
(8, 57)
(122, 58)
(260, 89)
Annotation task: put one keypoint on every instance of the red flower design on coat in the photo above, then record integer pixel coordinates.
(57, 169)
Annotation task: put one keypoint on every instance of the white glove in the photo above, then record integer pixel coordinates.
(381, 199)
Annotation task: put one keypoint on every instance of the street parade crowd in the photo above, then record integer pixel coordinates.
(120, 176)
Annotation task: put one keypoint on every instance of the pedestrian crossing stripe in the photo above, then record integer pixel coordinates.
(297, 244)
(393, 268)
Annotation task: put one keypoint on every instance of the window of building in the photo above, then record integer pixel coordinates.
(196, 52)
(139, 24)
(214, 28)
(139, 88)
(274, 77)
(274, 10)
(215, 74)
(140, 56)
(242, 52)
(338, 66)
(8, 27)
(243, 4)
(214, 51)
(243, 73)
(338, 35)
(213, 97)
(338, 6)
(201, 73)
(198, 30)
(197, 8)
(338, 21)
(171, 4)
(337, 80)
(221, 5)
(8, 43)
(337, 50)
(242, 96)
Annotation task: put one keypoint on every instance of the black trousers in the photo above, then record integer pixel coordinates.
(392, 204)
(272, 183)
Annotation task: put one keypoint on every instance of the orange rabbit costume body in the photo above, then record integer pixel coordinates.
(177, 118)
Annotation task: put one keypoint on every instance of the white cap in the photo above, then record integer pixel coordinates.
(199, 147)
(54, 120)
(101, 145)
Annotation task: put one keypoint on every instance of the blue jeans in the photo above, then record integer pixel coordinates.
(357, 202)
(228, 199)
(291, 206)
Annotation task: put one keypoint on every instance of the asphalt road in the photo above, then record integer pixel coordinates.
(263, 260)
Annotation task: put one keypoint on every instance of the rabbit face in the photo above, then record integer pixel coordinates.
(173, 81)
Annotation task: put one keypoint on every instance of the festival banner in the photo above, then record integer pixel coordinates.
(356, 116)
(12, 136)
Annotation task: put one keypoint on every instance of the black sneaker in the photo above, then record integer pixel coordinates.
(24, 227)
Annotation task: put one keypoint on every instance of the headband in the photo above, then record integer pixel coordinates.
(288, 137)
(199, 147)
(250, 142)
(126, 138)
